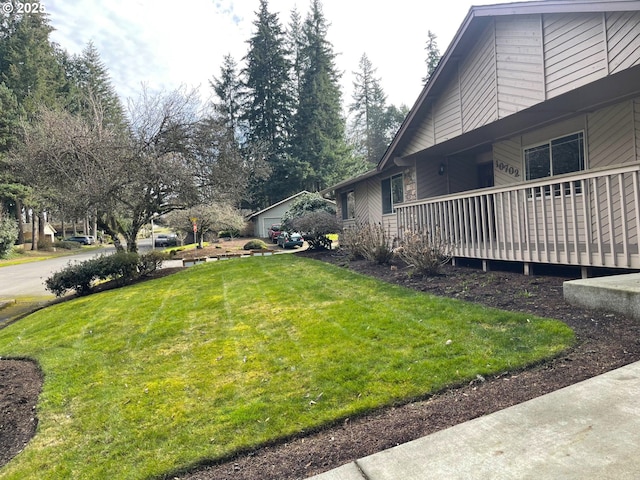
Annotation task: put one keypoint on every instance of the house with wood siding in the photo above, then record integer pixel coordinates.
(525, 143)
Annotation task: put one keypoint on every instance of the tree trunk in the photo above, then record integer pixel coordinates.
(34, 231)
(41, 224)
(20, 222)
(132, 246)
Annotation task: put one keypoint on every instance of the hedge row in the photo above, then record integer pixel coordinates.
(120, 267)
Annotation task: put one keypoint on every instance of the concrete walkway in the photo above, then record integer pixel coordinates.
(590, 430)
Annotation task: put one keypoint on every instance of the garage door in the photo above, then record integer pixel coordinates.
(267, 223)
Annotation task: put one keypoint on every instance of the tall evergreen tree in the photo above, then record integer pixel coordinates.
(295, 41)
(319, 126)
(433, 55)
(229, 91)
(10, 190)
(28, 64)
(267, 110)
(30, 71)
(91, 91)
(369, 109)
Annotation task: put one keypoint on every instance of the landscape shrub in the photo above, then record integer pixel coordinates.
(305, 206)
(370, 241)
(8, 234)
(66, 245)
(45, 245)
(151, 261)
(255, 245)
(231, 233)
(122, 266)
(315, 226)
(425, 252)
(75, 276)
(80, 276)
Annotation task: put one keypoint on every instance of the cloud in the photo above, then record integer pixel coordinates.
(167, 43)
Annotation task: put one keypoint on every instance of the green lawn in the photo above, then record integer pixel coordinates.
(157, 376)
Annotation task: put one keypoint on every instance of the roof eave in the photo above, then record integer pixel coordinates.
(518, 8)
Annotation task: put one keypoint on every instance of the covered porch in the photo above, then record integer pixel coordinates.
(587, 219)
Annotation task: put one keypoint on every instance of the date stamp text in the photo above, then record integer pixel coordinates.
(21, 8)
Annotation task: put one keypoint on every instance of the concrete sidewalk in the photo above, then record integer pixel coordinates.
(590, 430)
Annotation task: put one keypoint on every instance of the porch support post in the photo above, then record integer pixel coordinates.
(528, 268)
(486, 267)
(586, 272)
(453, 262)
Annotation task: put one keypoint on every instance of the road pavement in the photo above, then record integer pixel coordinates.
(27, 279)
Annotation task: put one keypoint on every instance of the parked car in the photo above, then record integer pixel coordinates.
(274, 232)
(290, 240)
(166, 240)
(83, 239)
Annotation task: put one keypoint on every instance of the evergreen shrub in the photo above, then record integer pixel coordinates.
(255, 245)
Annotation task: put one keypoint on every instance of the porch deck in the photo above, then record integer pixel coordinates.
(590, 219)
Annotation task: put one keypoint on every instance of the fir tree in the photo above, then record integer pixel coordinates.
(433, 55)
(319, 138)
(295, 41)
(369, 109)
(91, 92)
(229, 91)
(28, 64)
(32, 77)
(267, 109)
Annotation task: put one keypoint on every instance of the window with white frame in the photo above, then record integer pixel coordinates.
(348, 205)
(555, 157)
(392, 193)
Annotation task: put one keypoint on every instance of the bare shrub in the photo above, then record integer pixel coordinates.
(425, 252)
(370, 241)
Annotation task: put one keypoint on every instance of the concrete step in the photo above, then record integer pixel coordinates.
(616, 293)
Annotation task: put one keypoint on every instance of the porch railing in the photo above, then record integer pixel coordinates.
(588, 219)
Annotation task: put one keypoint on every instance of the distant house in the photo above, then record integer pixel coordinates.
(263, 219)
(525, 143)
(49, 232)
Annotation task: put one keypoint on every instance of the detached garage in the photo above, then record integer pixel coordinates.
(263, 219)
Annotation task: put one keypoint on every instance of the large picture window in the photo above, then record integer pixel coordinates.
(348, 205)
(558, 156)
(392, 193)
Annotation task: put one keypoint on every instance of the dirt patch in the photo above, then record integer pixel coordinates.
(20, 385)
(605, 341)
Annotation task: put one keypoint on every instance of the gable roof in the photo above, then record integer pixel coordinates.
(288, 199)
(276, 204)
(475, 21)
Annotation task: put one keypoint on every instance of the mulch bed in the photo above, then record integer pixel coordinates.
(605, 341)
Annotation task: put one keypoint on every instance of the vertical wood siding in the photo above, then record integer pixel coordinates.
(507, 162)
(520, 72)
(478, 83)
(421, 137)
(447, 114)
(623, 40)
(611, 136)
(636, 130)
(429, 183)
(368, 196)
(521, 60)
(573, 50)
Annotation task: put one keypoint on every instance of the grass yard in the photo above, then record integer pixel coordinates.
(158, 376)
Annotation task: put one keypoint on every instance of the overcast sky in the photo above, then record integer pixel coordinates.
(168, 43)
